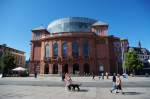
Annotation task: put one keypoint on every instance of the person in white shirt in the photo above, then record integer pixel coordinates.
(68, 81)
(119, 84)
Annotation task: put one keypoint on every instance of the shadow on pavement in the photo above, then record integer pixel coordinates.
(132, 93)
(83, 90)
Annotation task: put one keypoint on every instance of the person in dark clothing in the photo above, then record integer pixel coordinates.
(113, 83)
(93, 76)
(102, 75)
(63, 76)
(35, 74)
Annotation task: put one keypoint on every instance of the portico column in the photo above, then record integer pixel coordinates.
(59, 68)
(70, 68)
(69, 48)
(81, 56)
(80, 47)
(42, 50)
(32, 52)
(81, 67)
(60, 56)
(42, 67)
(50, 68)
(51, 48)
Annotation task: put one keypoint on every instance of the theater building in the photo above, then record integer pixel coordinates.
(76, 45)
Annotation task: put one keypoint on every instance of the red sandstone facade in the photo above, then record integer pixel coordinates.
(104, 54)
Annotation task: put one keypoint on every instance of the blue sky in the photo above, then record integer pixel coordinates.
(126, 18)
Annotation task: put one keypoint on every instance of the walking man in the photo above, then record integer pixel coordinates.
(35, 74)
(113, 83)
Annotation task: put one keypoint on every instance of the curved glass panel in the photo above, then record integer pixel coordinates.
(55, 49)
(64, 49)
(75, 51)
(71, 24)
(47, 51)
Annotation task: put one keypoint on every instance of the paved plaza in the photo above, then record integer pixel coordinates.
(16, 90)
(42, 92)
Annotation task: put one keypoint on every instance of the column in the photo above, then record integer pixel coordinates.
(80, 47)
(59, 69)
(70, 68)
(81, 67)
(60, 48)
(42, 50)
(69, 48)
(51, 48)
(32, 52)
(81, 56)
(42, 67)
(60, 56)
(50, 68)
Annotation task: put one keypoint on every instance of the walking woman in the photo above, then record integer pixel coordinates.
(119, 84)
(68, 81)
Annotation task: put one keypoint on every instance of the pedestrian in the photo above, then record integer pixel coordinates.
(68, 81)
(113, 83)
(93, 76)
(63, 76)
(119, 84)
(102, 75)
(35, 74)
(107, 75)
(99, 75)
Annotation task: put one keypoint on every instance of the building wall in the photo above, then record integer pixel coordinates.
(101, 53)
(18, 55)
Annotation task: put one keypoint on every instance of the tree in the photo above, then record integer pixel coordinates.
(132, 63)
(8, 62)
(1, 64)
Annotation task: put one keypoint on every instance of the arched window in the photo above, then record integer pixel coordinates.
(75, 51)
(55, 50)
(86, 49)
(64, 49)
(47, 51)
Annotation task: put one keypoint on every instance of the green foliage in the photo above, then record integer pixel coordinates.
(132, 63)
(1, 64)
(7, 62)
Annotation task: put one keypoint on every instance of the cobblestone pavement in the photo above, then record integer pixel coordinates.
(81, 79)
(42, 92)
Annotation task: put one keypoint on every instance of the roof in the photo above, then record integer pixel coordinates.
(39, 28)
(141, 50)
(71, 24)
(99, 23)
(12, 49)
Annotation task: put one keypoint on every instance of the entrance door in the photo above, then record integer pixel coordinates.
(46, 69)
(55, 69)
(75, 68)
(86, 68)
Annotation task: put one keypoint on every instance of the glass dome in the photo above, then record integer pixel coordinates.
(71, 24)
